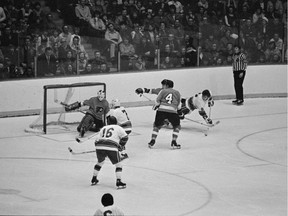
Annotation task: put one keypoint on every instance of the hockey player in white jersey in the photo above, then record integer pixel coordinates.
(123, 120)
(109, 208)
(110, 139)
(198, 101)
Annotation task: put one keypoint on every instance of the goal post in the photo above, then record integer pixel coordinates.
(55, 96)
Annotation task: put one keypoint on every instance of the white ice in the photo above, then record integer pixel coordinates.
(239, 169)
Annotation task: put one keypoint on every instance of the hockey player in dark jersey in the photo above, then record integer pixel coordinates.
(96, 109)
(198, 101)
(166, 106)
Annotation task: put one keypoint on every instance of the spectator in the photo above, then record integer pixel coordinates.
(258, 16)
(171, 16)
(178, 5)
(159, 18)
(97, 30)
(82, 62)
(147, 53)
(124, 17)
(244, 13)
(62, 50)
(49, 24)
(27, 53)
(230, 17)
(9, 37)
(167, 63)
(46, 63)
(203, 3)
(271, 51)
(198, 40)
(262, 31)
(65, 34)
(104, 68)
(69, 60)
(210, 41)
(69, 70)
(192, 27)
(259, 55)
(125, 31)
(97, 61)
(278, 41)
(140, 64)
(37, 17)
(174, 45)
(225, 40)
(108, 206)
(83, 16)
(25, 11)
(136, 36)
(127, 54)
(77, 47)
(114, 39)
(89, 69)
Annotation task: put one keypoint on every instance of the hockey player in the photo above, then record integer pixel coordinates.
(122, 118)
(166, 106)
(198, 101)
(109, 208)
(110, 139)
(155, 91)
(94, 119)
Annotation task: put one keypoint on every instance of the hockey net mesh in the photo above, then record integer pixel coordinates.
(57, 119)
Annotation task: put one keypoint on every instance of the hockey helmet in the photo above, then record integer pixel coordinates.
(111, 120)
(206, 93)
(115, 103)
(107, 200)
(101, 95)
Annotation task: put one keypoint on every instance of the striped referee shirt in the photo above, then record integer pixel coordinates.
(239, 62)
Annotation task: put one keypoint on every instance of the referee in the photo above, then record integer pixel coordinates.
(239, 70)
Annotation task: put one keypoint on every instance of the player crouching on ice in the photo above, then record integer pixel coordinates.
(198, 101)
(96, 109)
(110, 139)
(123, 120)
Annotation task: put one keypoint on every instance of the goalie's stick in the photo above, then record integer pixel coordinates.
(85, 139)
(77, 153)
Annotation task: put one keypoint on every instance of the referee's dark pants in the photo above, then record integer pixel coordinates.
(238, 84)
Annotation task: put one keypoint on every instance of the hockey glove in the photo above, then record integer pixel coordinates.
(155, 107)
(211, 103)
(139, 91)
(208, 121)
(73, 106)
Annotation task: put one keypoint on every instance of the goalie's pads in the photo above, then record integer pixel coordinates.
(72, 106)
(123, 141)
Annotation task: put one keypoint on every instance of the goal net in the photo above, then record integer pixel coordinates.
(53, 117)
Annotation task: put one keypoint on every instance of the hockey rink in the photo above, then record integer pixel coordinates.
(239, 169)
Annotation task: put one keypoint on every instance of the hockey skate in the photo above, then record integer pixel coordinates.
(120, 184)
(82, 132)
(94, 180)
(174, 145)
(151, 143)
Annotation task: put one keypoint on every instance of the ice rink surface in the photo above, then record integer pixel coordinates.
(239, 169)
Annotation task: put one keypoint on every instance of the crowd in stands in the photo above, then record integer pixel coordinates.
(148, 34)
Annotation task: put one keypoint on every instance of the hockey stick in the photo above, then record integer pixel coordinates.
(77, 153)
(207, 125)
(86, 139)
(146, 97)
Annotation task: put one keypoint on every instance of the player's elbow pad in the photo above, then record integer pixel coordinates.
(123, 141)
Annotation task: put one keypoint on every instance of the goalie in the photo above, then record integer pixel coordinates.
(96, 109)
(198, 101)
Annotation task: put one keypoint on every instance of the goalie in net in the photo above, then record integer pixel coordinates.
(96, 109)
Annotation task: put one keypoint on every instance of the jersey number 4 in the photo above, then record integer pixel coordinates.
(169, 98)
